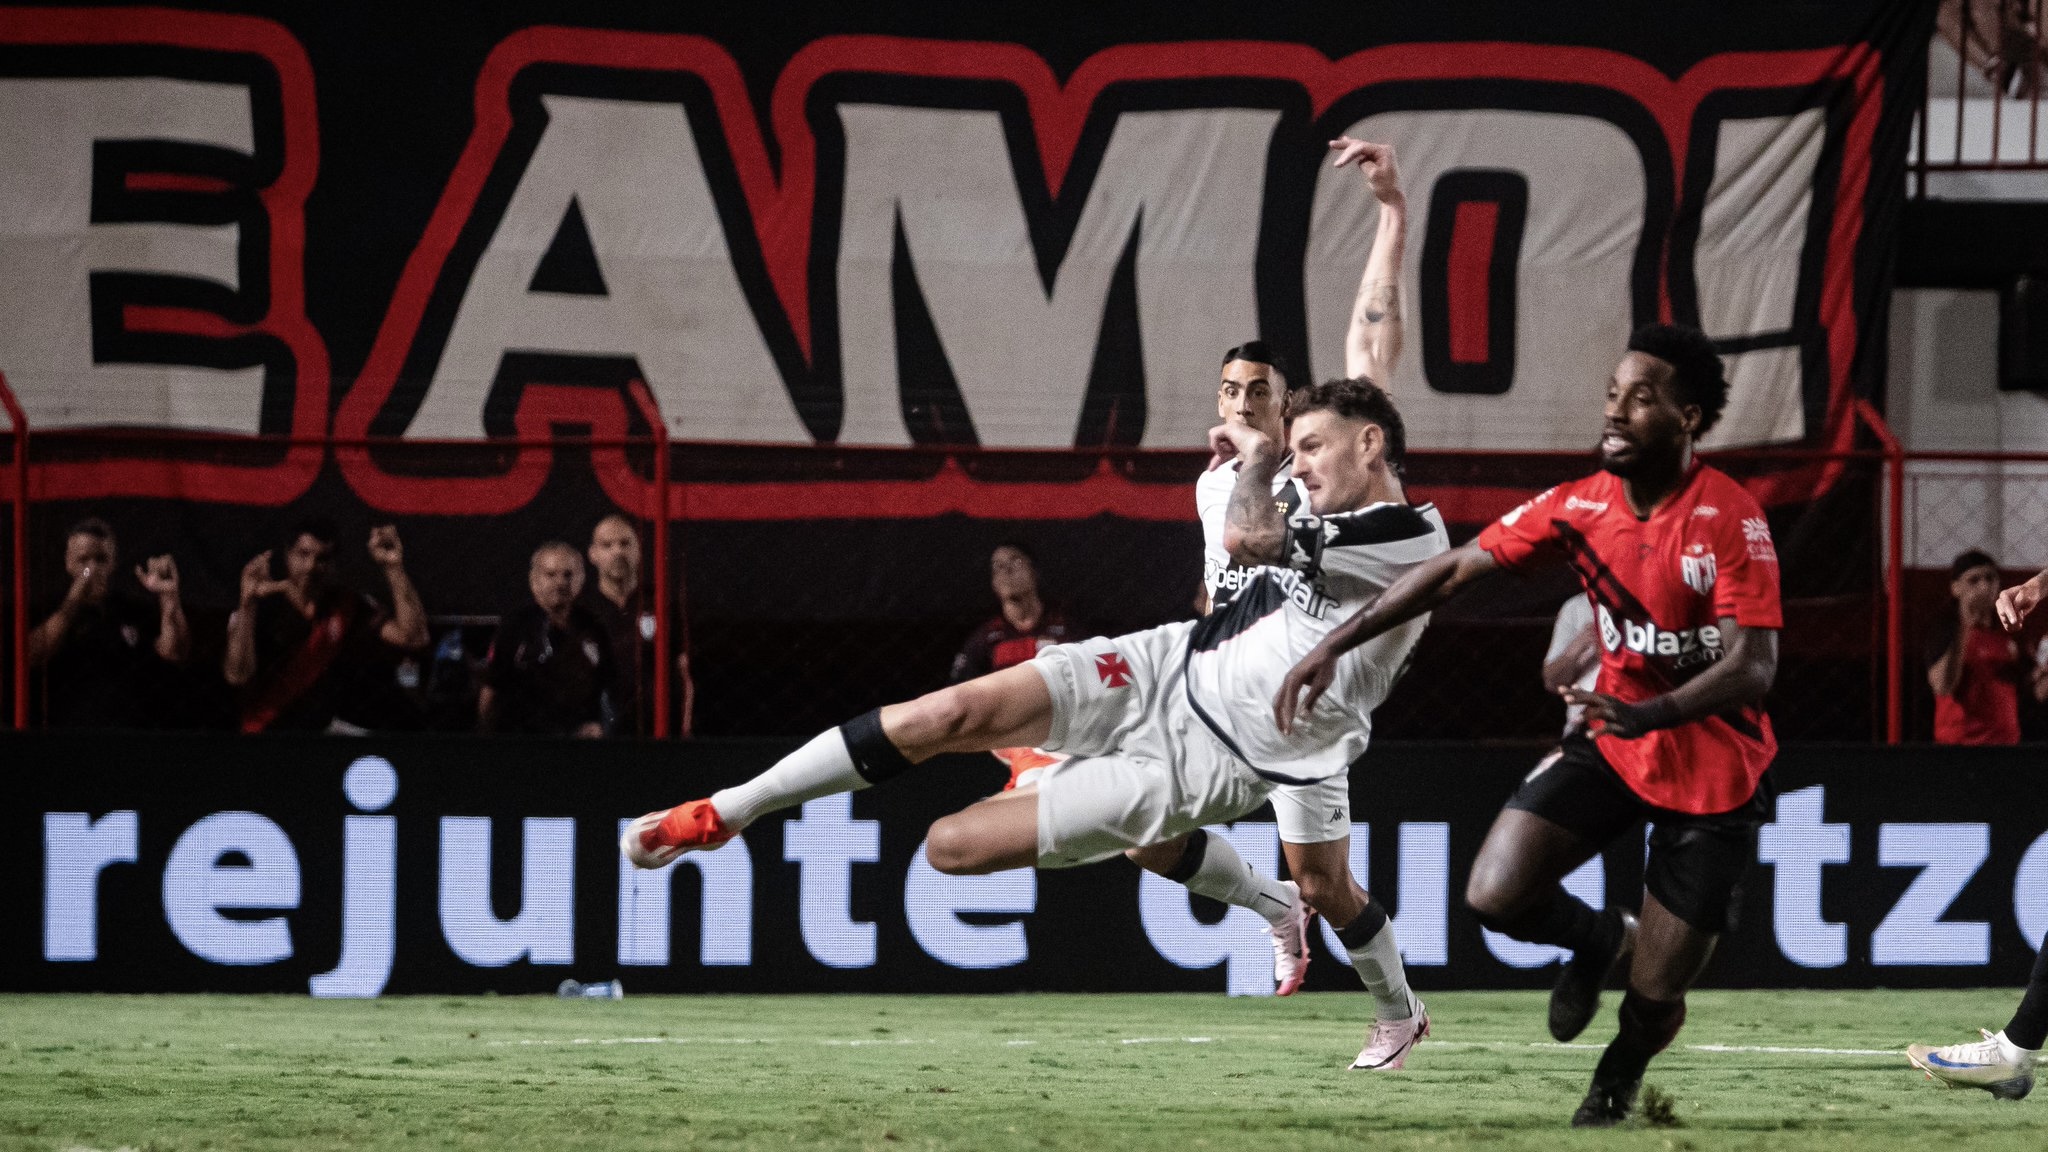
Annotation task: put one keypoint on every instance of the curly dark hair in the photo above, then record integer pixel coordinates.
(1356, 399)
(1696, 367)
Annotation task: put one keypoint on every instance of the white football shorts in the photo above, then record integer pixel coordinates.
(1141, 766)
(1314, 813)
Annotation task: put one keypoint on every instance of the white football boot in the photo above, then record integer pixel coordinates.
(1290, 944)
(1387, 1046)
(1994, 1064)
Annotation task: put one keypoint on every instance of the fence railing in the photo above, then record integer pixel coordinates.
(1993, 120)
(784, 621)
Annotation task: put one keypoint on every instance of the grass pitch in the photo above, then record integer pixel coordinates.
(1796, 1070)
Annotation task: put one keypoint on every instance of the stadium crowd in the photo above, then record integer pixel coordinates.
(305, 650)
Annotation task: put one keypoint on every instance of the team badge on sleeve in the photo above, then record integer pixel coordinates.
(1756, 531)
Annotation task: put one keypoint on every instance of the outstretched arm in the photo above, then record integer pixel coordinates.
(1419, 590)
(1738, 678)
(1372, 345)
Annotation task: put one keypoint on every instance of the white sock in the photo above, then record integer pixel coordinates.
(1223, 875)
(819, 768)
(1378, 961)
(2013, 1051)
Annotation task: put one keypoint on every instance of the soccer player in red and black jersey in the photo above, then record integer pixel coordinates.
(1677, 560)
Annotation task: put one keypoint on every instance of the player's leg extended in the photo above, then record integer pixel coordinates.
(2001, 1063)
(1002, 709)
(1560, 816)
(1211, 867)
(1669, 955)
(991, 835)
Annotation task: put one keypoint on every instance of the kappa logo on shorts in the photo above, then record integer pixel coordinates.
(1113, 669)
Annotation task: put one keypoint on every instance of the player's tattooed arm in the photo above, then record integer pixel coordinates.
(1741, 677)
(1254, 531)
(1372, 343)
(1418, 590)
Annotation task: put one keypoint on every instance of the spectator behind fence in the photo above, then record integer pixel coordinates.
(1975, 668)
(620, 605)
(550, 668)
(1023, 626)
(107, 656)
(1573, 659)
(311, 654)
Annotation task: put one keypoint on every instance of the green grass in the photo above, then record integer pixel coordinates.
(1063, 1072)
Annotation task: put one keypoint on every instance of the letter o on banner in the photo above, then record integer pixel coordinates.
(1469, 257)
(2030, 892)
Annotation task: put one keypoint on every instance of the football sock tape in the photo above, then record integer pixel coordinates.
(1190, 861)
(874, 757)
(1367, 925)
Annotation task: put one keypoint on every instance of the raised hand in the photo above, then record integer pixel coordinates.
(256, 581)
(1227, 441)
(83, 585)
(385, 548)
(2016, 602)
(1382, 174)
(159, 576)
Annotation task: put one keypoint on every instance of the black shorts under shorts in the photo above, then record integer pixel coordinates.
(1696, 863)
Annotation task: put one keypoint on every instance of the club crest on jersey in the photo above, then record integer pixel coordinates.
(1113, 669)
(1697, 567)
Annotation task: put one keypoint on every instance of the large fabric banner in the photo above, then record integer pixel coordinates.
(892, 227)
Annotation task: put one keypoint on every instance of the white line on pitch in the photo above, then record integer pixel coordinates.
(1495, 1045)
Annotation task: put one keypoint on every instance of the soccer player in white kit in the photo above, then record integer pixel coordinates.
(1315, 818)
(1168, 729)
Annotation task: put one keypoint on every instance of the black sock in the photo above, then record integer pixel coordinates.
(1647, 1028)
(2029, 1025)
(874, 757)
(1564, 921)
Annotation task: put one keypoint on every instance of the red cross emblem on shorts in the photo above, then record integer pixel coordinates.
(1114, 672)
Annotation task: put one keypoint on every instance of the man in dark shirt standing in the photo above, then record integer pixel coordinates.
(310, 654)
(1025, 624)
(550, 668)
(620, 605)
(1974, 668)
(104, 654)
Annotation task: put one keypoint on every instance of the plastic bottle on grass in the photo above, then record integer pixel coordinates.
(575, 990)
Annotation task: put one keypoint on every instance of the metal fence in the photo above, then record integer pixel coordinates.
(781, 621)
(1982, 108)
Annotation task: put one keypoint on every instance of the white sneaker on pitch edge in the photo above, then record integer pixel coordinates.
(1290, 944)
(1994, 1064)
(1387, 1047)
